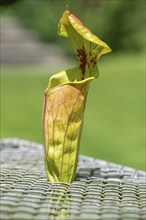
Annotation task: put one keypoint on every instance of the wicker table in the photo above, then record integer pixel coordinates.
(102, 190)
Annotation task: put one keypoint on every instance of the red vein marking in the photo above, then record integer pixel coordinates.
(82, 56)
(80, 130)
(54, 133)
(66, 132)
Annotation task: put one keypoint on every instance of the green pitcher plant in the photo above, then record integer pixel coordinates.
(65, 100)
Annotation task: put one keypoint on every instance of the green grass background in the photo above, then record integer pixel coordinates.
(114, 118)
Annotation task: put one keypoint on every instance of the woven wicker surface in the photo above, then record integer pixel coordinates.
(101, 190)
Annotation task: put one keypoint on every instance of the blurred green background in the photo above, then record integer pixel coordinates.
(114, 119)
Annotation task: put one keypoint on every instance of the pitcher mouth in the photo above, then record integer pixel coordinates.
(55, 88)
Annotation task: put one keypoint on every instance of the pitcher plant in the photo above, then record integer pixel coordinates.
(65, 100)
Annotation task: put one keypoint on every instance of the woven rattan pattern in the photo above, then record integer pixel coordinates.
(101, 190)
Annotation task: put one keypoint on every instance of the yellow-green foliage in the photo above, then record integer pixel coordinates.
(65, 99)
